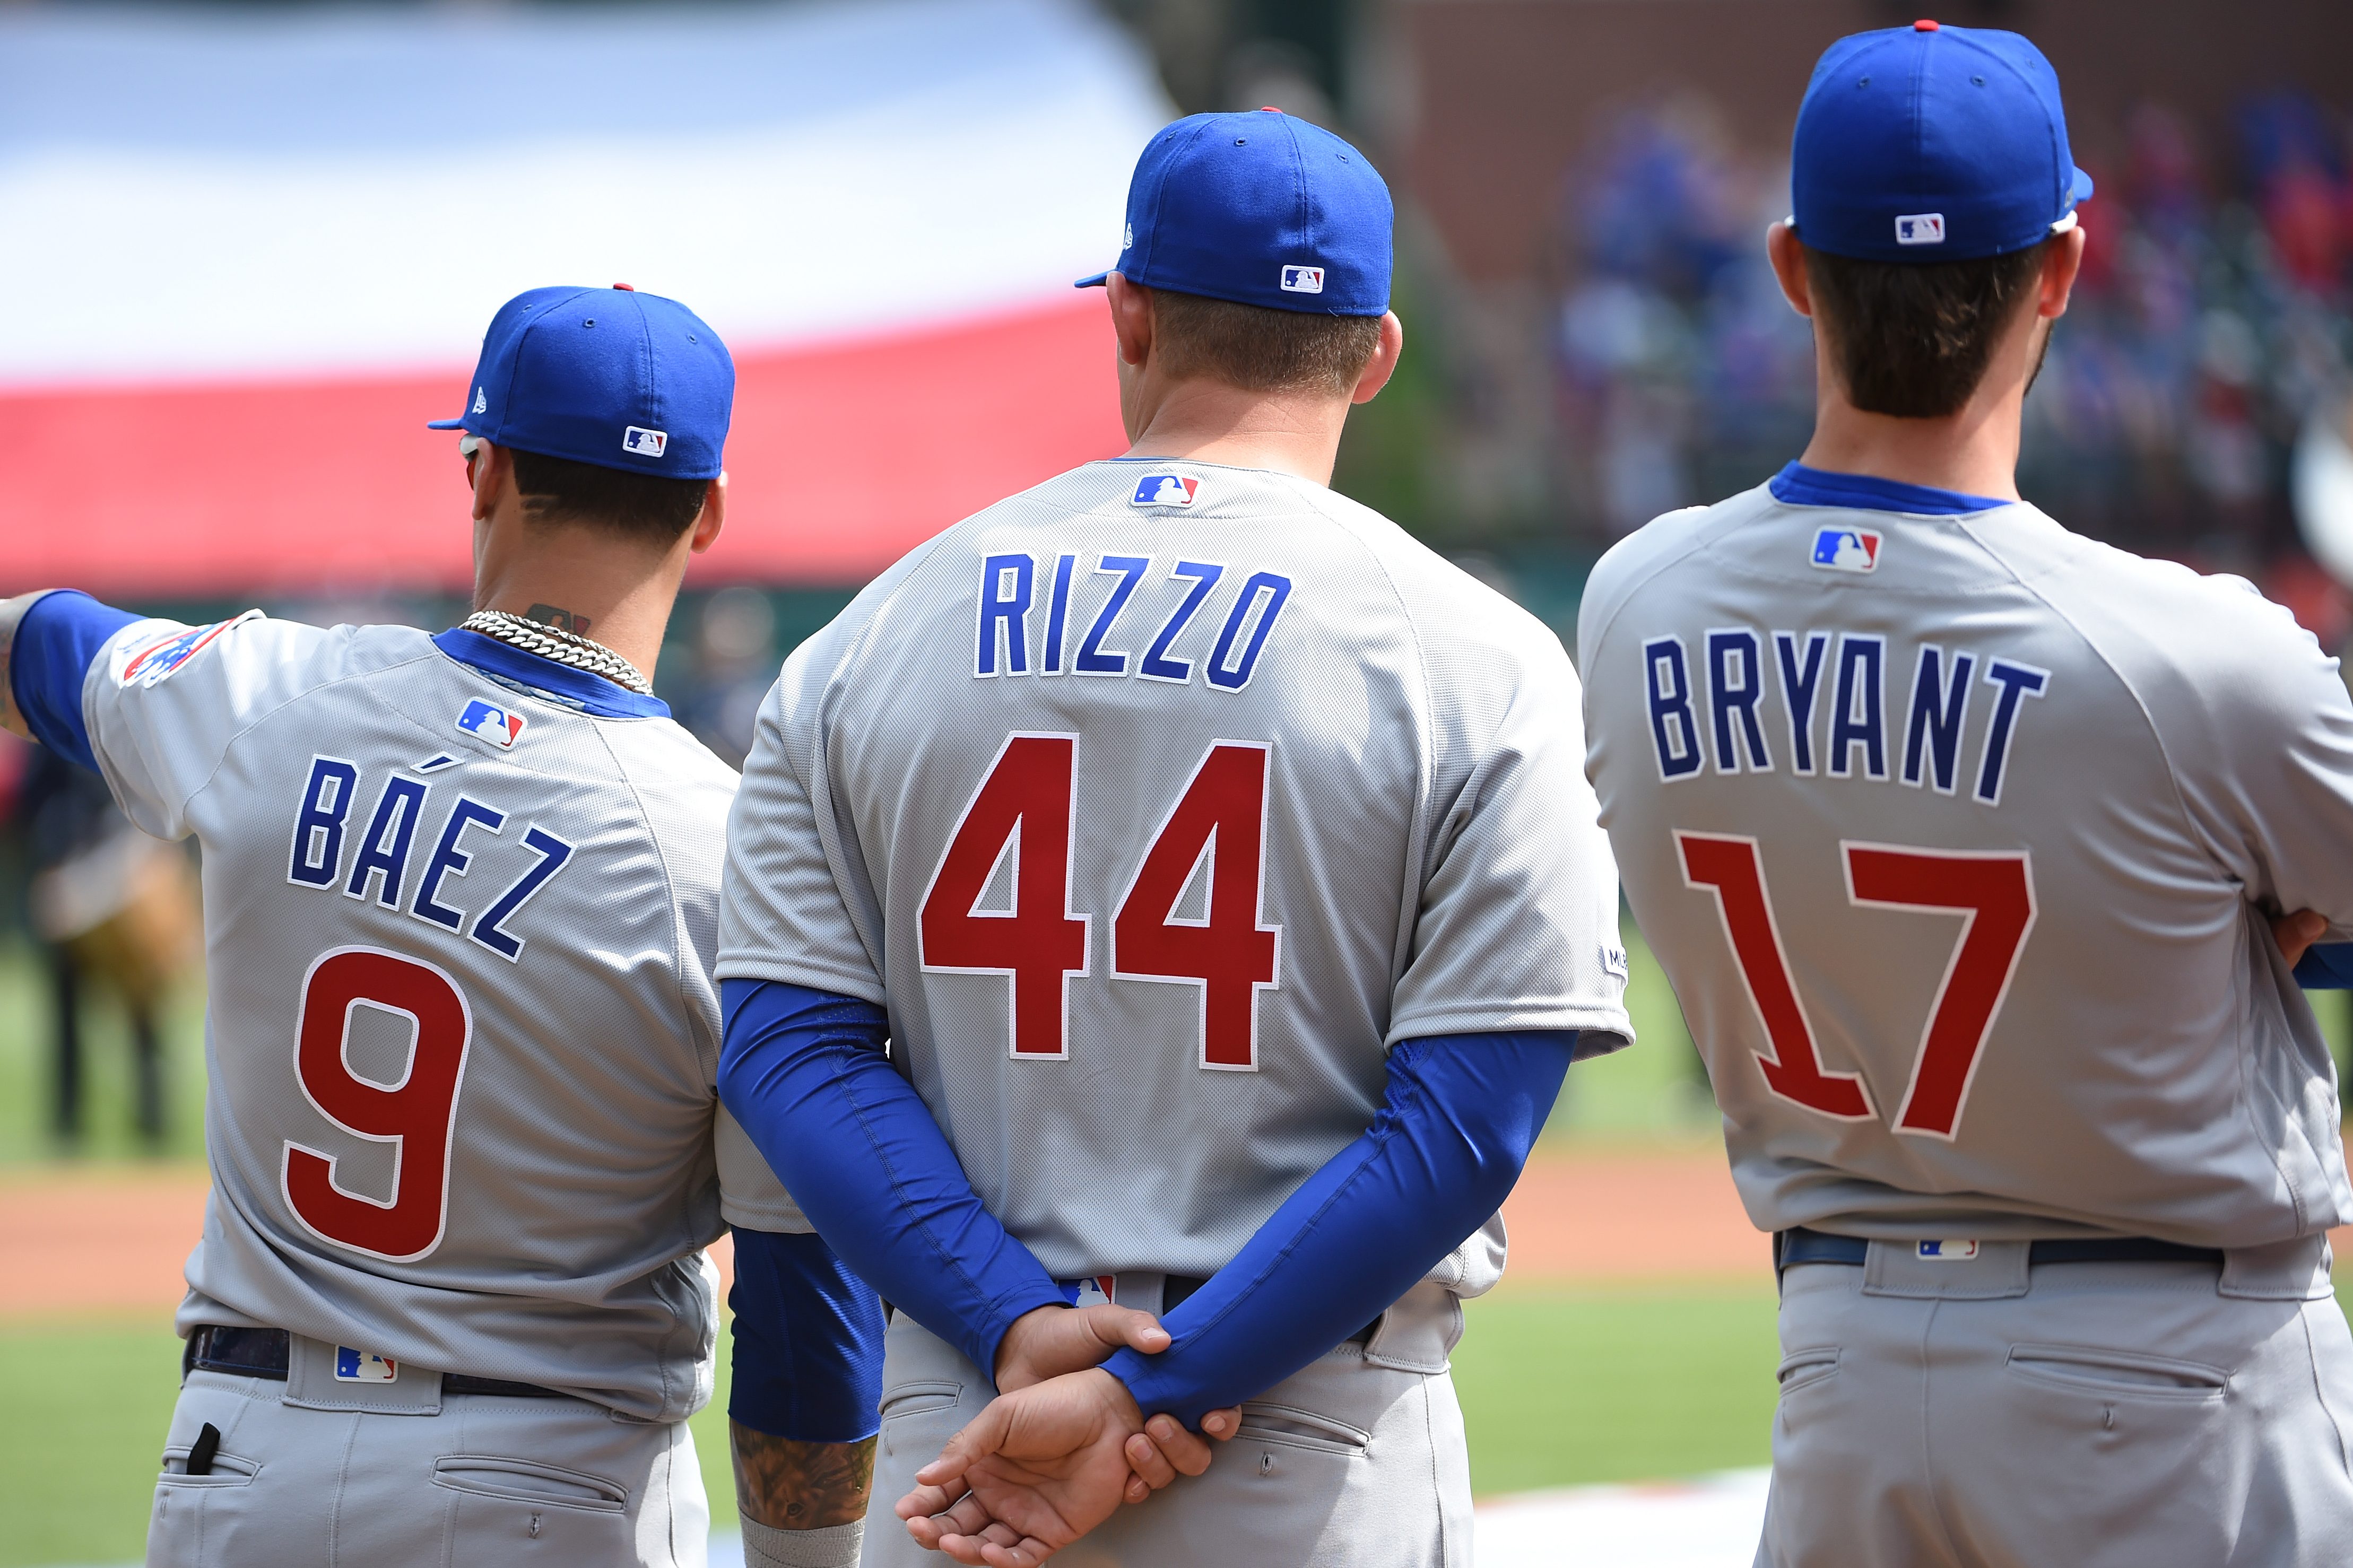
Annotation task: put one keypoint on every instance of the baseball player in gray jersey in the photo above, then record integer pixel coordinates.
(451, 1303)
(1963, 840)
(1219, 864)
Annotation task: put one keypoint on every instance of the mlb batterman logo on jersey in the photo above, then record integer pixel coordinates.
(490, 722)
(1846, 549)
(1164, 490)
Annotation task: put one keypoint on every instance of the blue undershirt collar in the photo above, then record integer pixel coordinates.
(1797, 485)
(575, 688)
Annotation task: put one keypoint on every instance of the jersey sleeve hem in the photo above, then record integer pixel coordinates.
(1589, 1020)
(757, 1216)
(813, 977)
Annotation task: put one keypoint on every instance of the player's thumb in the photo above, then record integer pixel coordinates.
(1117, 1326)
(984, 1434)
(2297, 932)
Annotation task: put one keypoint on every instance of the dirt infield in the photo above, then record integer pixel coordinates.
(114, 1239)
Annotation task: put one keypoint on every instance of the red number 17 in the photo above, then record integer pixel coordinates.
(1994, 895)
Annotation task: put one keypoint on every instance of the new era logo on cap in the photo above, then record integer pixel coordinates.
(1164, 490)
(643, 442)
(1297, 279)
(490, 722)
(1846, 549)
(1920, 228)
(364, 1366)
(481, 402)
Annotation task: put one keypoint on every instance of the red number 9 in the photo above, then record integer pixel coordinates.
(415, 1114)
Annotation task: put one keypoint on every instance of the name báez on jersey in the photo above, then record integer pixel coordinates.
(1837, 682)
(379, 864)
(1076, 639)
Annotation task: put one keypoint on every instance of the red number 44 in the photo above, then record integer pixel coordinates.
(1024, 812)
(1992, 893)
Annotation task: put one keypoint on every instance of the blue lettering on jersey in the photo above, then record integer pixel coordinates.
(1156, 665)
(1735, 684)
(1093, 660)
(1672, 728)
(319, 822)
(1007, 595)
(448, 860)
(1858, 713)
(1259, 602)
(1005, 582)
(2014, 680)
(1057, 614)
(1801, 682)
(384, 848)
(1932, 733)
(490, 930)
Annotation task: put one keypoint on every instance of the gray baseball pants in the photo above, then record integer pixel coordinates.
(457, 1480)
(1356, 1461)
(1982, 1414)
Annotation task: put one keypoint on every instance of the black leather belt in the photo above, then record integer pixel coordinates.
(265, 1352)
(1798, 1245)
(1175, 1288)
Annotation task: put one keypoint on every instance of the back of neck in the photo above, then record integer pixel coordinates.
(1974, 452)
(1289, 433)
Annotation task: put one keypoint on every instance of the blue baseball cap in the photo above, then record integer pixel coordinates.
(1261, 209)
(1933, 143)
(608, 376)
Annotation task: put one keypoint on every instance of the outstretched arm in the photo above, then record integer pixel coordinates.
(47, 642)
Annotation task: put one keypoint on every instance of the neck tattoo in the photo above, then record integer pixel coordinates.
(564, 647)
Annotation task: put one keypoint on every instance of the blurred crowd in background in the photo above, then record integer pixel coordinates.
(2213, 320)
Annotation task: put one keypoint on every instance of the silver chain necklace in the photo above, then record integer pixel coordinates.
(564, 647)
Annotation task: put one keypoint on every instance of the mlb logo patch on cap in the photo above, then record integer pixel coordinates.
(1920, 228)
(364, 1366)
(1303, 279)
(1164, 490)
(1846, 550)
(490, 722)
(643, 442)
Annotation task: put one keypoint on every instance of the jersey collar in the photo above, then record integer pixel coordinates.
(575, 688)
(1797, 485)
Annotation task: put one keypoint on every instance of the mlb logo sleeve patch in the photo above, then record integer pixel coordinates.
(364, 1366)
(489, 722)
(1164, 490)
(1846, 549)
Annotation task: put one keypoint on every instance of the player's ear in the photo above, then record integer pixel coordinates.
(493, 472)
(711, 518)
(1789, 258)
(1383, 362)
(2061, 263)
(1131, 318)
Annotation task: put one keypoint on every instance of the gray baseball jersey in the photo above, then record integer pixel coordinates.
(1953, 833)
(1154, 803)
(462, 1037)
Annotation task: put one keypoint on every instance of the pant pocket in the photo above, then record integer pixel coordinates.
(1803, 1369)
(2118, 1374)
(528, 1481)
(920, 1398)
(1293, 1427)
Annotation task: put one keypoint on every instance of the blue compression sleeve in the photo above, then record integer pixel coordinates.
(1454, 1130)
(803, 1072)
(2327, 966)
(809, 1341)
(56, 641)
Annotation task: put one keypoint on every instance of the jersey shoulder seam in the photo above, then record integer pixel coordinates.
(677, 953)
(259, 719)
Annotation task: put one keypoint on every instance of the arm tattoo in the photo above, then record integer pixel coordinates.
(562, 620)
(790, 1485)
(12, 614)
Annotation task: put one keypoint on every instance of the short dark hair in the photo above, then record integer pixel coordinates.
(645, 508)
(1912, 341)
(1257, 348)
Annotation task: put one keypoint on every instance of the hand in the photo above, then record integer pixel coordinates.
(1165, 1449)
(2295, 934)
(1048, 1342)
(1029, 1475)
